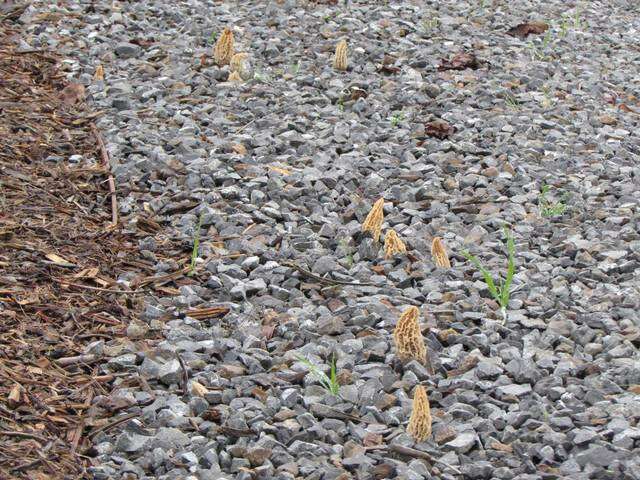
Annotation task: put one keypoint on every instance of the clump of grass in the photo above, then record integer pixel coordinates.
(577, 23)
(500, 289)
(549, 208)
(329, 382)
(511, 101)
(431, 24)
(196, 246)
(396, 118)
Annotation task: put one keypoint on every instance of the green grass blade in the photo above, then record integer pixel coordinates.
(488, 279)
(196, 246)
(334, 377)
(317, 373)
(511, 269)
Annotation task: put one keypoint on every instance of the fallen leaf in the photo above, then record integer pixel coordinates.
(87, 273)
(198, 389)
(529, 28)
(72, 93)
(607, 120)
(260, 393)
(239, 148)
(625, 108)
(211, 415)
(370, 439)
(58, 260)
(267, 331)
(357, 93)
(379, 269)
(439, 129)
(634, 389)
(283, 171)
(460, 61)
(57, 419)
(388, 69)
(501, 447)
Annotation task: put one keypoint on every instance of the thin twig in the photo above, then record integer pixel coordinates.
(412, 452)
(109, 426)
(33, 436)
(107, 167)
(65, 362)
(185, 374)
(97, 289)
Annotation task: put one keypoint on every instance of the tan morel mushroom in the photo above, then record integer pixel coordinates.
(373, 222)
(420, 421)
(99, 73)
(223, 50)
(393, 244)
(240, 63)
(408, 337)
(439, 253)
(340, 61)
(234, 77)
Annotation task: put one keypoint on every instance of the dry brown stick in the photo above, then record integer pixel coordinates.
(26, 466)
(185, 374)
(145, 386)
(77, 434)
(97, 289)
(109, 426)
(33, 436)
(107, 166)
(65, 362)
(412, 452)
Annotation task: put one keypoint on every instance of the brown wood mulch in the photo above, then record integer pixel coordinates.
(60, 256)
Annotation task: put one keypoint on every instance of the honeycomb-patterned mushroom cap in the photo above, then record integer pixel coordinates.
(439, 253)
(373, 222)
(408, 337)
(240, 63)
(340, 60)
(393, 245)
(223, 50)
(420, 421)
(234, 77)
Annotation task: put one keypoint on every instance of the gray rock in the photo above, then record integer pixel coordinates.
(463, 442)
(127, 50)
(513, 390)
(131, 442)
(170, 372)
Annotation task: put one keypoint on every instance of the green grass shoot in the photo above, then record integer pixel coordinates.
(329, 382)
(196, 246)
(500, 289)
(549, 208)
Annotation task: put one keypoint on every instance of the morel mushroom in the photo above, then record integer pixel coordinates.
(408, 337)
(393, 244)
(223, 50)
(439, 253)
(340, 61)
(373, 222)
(420, 421)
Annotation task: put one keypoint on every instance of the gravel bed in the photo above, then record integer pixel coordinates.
(285, 166)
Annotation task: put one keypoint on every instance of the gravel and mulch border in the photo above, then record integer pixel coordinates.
(60, 257)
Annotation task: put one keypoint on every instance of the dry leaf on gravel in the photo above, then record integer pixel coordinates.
(198, 389)
(460, 61)
(59, 261)
(439, 129)
(72, 94)
(523, 30)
